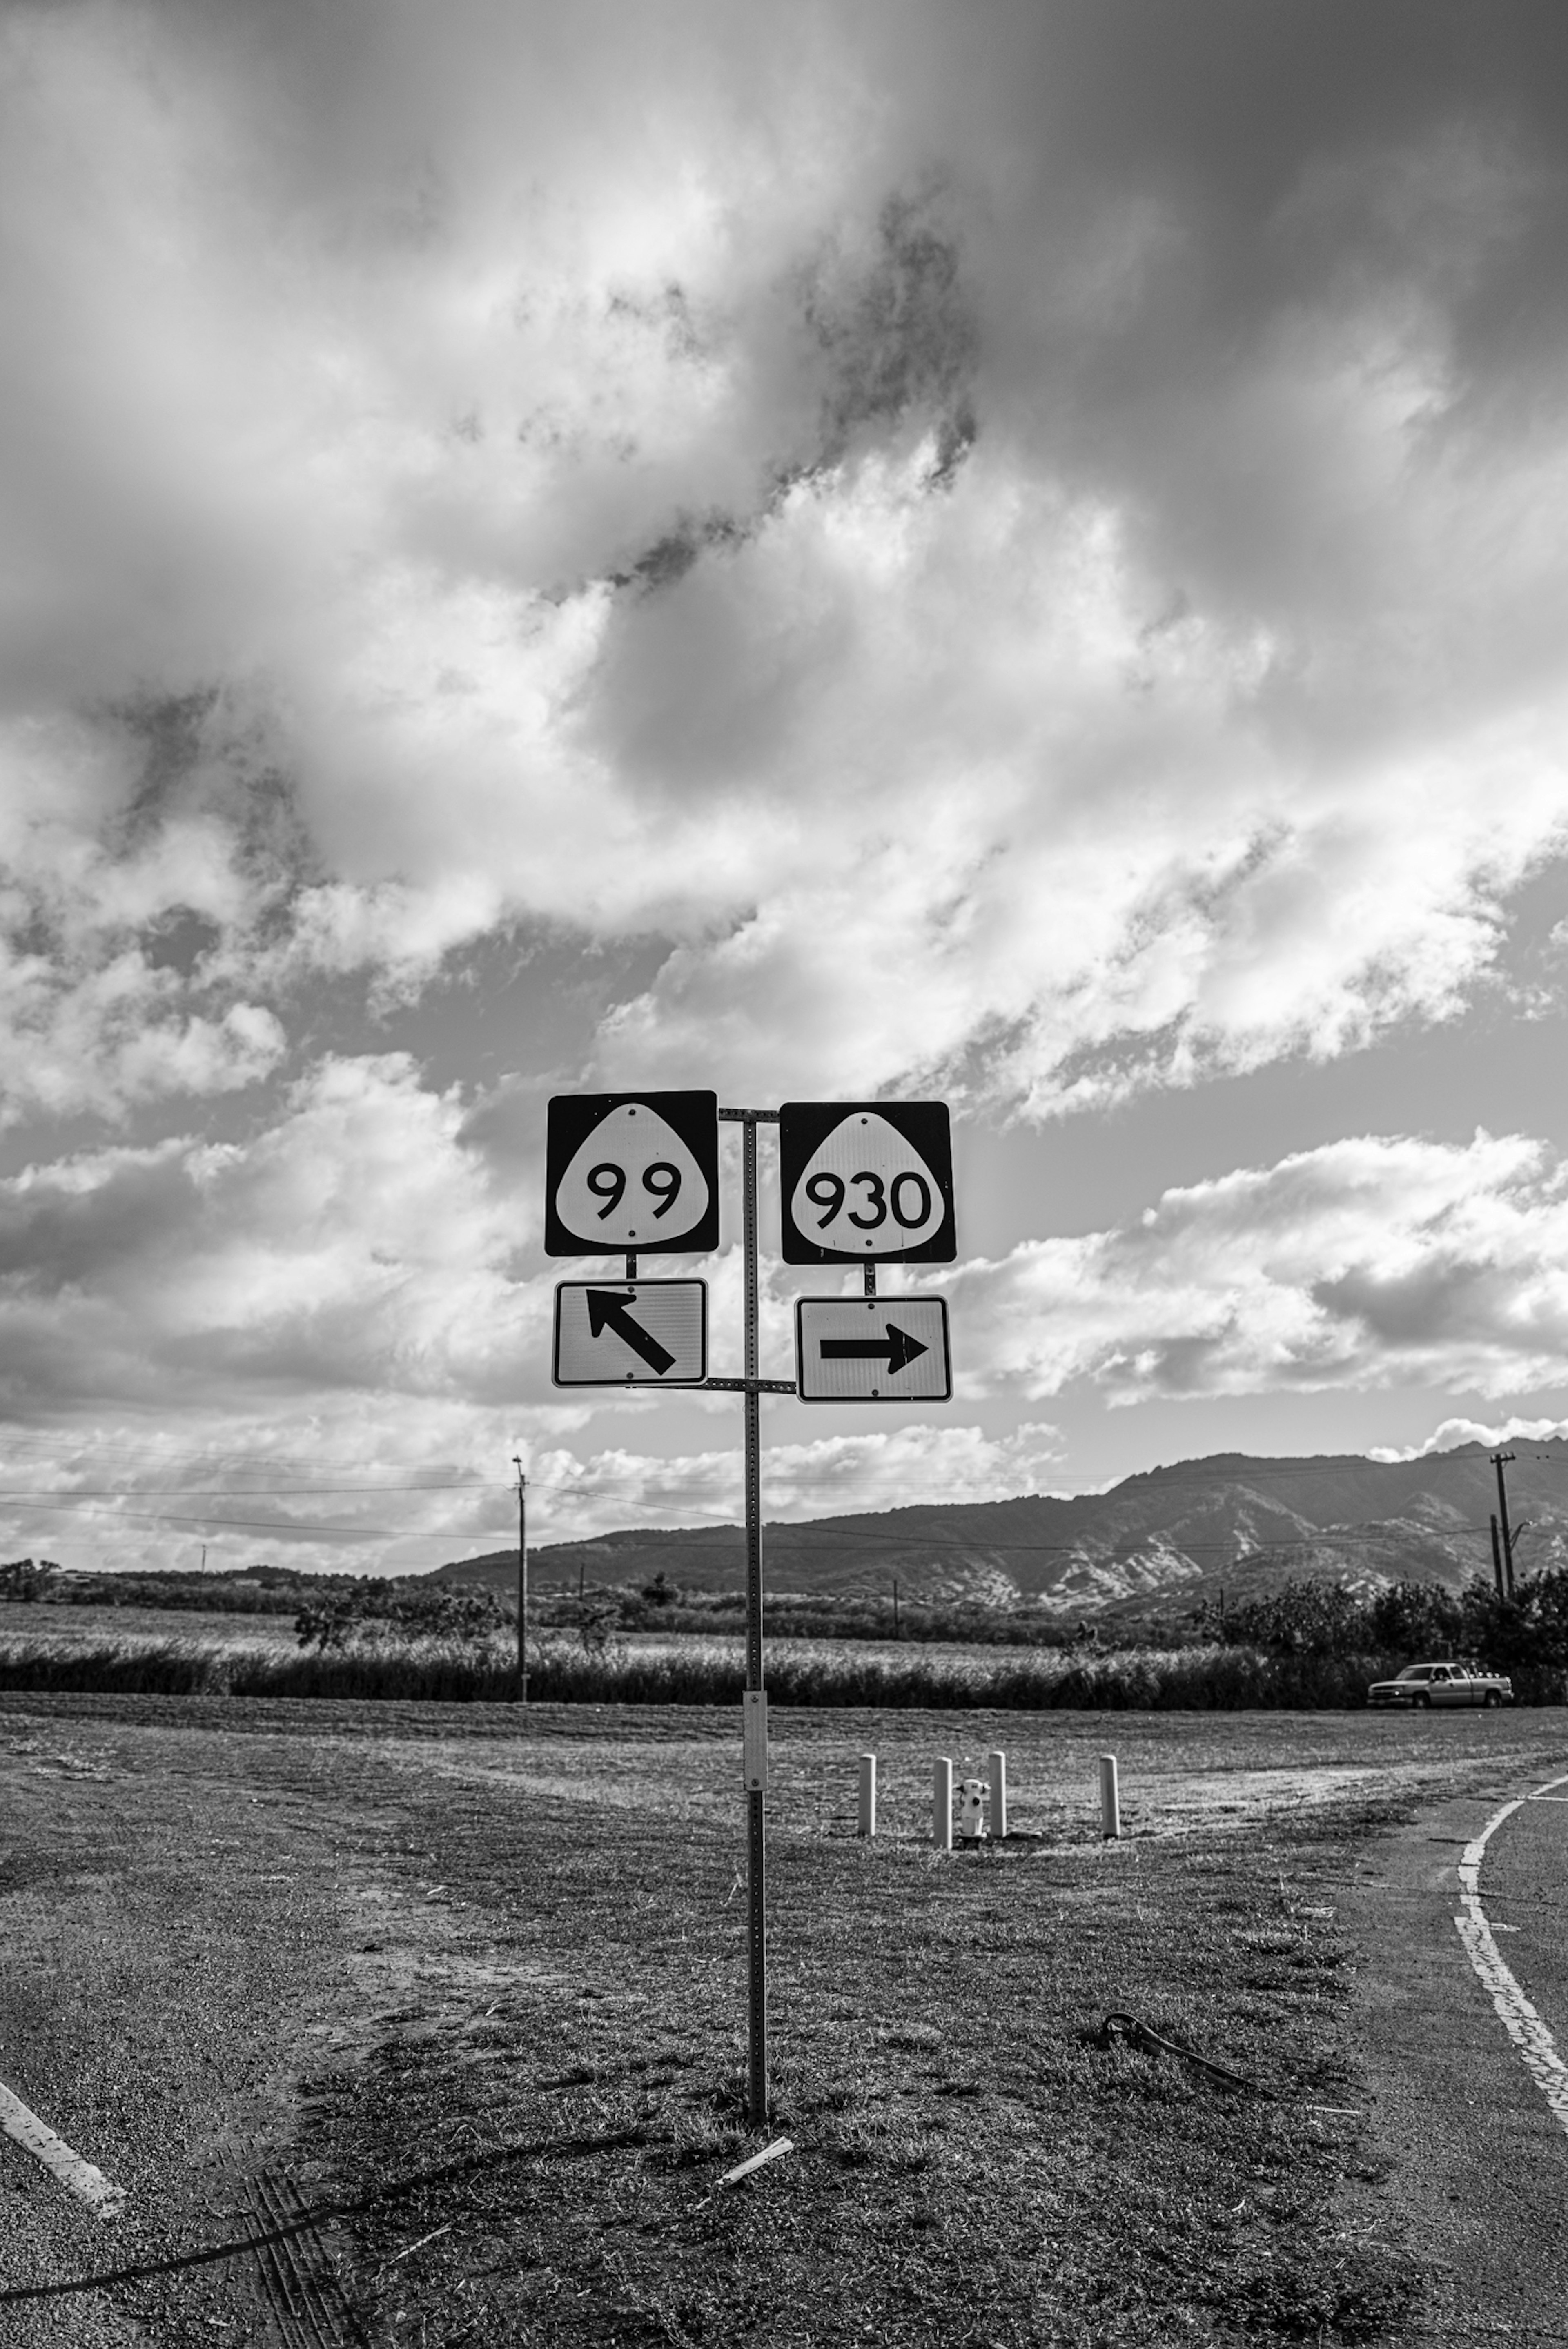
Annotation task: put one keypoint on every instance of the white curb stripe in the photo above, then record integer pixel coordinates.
(1519, 2018)
(77, 2176)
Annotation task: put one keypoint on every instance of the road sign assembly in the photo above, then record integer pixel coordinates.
(863, 1183)
(637, 1172)
(867, 1183)
(872, 1350)
(624, 1333)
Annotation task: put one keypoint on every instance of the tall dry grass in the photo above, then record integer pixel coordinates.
(710, 1672)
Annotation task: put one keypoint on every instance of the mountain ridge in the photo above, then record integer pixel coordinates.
(1231, 1522)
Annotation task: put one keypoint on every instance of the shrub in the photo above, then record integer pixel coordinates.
(1305, 1617)
(596, 1621)
(1420, 1619)
(27, 1578)
(371, 1611)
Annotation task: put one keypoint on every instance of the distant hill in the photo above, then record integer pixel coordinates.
(1170, 1537)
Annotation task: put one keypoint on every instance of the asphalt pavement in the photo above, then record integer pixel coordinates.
(1469, 2159)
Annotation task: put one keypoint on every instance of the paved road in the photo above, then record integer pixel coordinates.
(1475, 2160)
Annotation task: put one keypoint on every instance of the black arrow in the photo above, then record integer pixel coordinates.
(897, 1348)
(608, 1310)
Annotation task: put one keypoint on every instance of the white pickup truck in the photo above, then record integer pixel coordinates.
(1429, 1684)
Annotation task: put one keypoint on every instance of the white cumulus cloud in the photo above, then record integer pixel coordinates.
(1371, 1262)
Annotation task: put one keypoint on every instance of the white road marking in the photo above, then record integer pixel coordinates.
(1519, 2018)
(77, 2176)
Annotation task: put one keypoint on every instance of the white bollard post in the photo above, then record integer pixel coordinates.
(996, 1768)
(1110, 1800)
(867, 1794)
(943, 1802)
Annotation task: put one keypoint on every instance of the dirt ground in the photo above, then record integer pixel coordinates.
(383, 1982)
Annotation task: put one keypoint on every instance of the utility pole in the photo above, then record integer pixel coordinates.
(1499, 1460)
(1496, 1555)
(521, 1582)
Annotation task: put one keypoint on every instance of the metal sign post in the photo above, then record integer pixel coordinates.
(522, 1581)
(754, 1703)
(756, 1793)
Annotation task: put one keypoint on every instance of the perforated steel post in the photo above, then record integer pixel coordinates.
(756, 1797)
(522, 1581)
(755, 1702)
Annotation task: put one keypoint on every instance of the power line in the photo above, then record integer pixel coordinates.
(41, 1493)
(202, 1454)
(278, 1526)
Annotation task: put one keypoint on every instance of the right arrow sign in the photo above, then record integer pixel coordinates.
(872, 1350)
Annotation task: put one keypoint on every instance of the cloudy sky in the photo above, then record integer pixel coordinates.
(1011, 553)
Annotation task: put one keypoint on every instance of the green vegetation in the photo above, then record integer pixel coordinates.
(1311, 1645)
(1307, 1617)
(25, 1580)
(372, 1613)
(255, 1591)
(663, 1606)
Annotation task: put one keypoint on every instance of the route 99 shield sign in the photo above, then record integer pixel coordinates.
(867, 1183)
(637, 1172)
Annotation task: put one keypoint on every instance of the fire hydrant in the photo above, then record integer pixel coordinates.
(973, 1796)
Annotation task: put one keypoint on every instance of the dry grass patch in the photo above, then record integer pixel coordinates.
(970, 2165)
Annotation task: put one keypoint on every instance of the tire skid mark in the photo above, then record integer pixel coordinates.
(323, 2319)
(307, 2305)
(1525, 2027)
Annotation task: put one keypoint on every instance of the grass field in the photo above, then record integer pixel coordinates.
(524, 2064)
(88, 1626)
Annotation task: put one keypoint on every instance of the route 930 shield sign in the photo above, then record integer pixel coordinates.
(632, 1171)
(867, 1183)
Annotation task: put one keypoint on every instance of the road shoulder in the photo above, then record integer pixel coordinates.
(1463, 2159)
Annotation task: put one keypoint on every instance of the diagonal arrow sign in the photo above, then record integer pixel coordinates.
(896, 1348)
(608, 1310)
